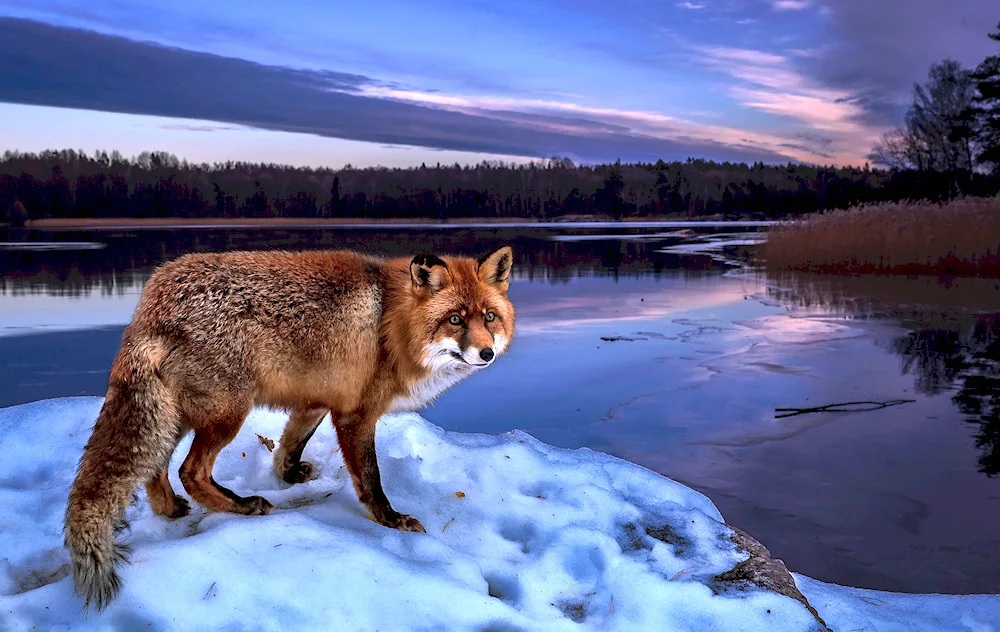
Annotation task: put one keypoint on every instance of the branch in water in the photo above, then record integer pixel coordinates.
(840, 408)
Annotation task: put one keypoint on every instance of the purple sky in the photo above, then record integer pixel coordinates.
(384, 82)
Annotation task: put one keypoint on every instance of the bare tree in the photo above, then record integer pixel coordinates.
(940, 116)
(897, 149)
(938, 133)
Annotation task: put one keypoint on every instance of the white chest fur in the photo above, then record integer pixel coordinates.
(427, 390)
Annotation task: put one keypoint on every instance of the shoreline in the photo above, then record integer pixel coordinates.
(308, 223)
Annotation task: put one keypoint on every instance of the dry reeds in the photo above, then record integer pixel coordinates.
(958, 238)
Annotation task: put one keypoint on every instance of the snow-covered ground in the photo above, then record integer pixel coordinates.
(520, 536)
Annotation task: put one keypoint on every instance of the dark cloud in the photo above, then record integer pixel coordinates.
(42, 64)
(878, 49)
(809, 148)
(815, 140)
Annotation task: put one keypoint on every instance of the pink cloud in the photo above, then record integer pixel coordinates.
(743, 55)
(770, 83)
(790, 5)
(825, 123)
(826, 114)
(653, 124)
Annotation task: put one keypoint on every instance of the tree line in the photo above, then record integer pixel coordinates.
(69, 184)
(948, 146)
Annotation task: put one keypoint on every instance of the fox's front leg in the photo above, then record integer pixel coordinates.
(288, 463)
(356, 434)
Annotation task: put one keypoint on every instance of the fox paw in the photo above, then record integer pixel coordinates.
(402, 522)
(298, 472)
(181, 508)
(254, 506)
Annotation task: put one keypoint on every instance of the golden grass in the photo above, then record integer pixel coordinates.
(959, 238)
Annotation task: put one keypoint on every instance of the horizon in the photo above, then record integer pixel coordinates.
(393, 85)
(493, 161)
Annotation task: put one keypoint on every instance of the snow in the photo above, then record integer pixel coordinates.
(716, 242)
(875, 611)
(715, 245)
(520, 536)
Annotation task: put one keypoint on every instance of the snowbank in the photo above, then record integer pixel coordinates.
(520, 536)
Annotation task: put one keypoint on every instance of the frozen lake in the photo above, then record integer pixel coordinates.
(651, 344)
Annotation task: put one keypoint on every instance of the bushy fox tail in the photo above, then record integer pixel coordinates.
(135, 433)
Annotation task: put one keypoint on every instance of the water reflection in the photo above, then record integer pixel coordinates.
(129, 257)
(951, 339)
(966, 359)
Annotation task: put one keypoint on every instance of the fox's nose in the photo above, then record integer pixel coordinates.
(486, 354)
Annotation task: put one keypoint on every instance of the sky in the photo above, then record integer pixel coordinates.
(326, 83)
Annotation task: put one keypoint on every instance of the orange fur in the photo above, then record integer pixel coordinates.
(215, 334)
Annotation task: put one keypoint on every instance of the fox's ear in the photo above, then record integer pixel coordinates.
(430, 274)
(494, 268)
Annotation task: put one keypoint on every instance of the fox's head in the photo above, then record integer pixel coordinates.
(463, 311)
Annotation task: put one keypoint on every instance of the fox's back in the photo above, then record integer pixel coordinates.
(270, 315)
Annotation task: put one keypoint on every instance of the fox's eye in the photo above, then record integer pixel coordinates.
(490, 317)
(455, 320)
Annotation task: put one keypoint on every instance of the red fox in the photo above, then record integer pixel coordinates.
(309, 332)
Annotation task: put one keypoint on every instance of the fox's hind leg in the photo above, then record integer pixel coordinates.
(162, 498)
(161, 495)
(214, 429)
(288, 463)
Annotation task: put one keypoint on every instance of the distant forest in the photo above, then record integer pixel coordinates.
(948, 146)
(71, 184)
